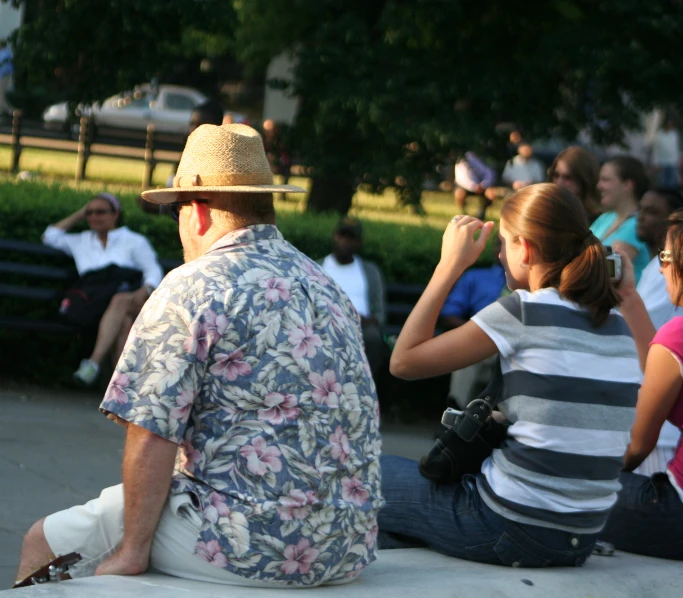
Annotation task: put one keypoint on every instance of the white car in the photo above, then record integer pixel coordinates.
(168, 107)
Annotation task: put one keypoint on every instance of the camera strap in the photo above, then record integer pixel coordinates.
(475, 416)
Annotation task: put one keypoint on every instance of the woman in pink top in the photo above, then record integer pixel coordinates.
(648, 517)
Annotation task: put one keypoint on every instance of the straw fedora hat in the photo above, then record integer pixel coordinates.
(221, 159)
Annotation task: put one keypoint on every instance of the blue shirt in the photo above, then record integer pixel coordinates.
(5, 62)
(251, 360)
(476, 289)
(626, 233)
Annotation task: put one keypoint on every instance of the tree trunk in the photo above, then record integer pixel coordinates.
(330, 194)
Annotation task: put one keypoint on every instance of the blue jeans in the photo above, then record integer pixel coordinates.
(453, 520)
(648, 517)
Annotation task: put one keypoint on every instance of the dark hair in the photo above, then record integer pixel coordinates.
(631, 169)
(211, 113)
(584, 168)
(554, 223)
(673, 197)
(674, 235)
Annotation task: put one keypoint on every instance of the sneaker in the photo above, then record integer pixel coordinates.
(87, 373)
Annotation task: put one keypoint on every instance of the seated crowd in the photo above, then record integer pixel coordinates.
(252, 452)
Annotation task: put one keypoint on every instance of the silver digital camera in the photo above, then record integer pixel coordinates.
(613, 265)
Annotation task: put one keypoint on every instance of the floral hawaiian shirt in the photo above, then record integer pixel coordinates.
(251, 359)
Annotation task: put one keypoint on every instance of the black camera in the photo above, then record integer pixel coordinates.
(614, 264)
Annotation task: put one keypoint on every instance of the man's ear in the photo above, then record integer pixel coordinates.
(201, 217)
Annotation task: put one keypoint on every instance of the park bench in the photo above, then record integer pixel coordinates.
(414, 572)
(46, 280)
(33, 278)
(38, 283)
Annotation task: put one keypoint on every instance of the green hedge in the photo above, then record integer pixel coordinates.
(405, 253)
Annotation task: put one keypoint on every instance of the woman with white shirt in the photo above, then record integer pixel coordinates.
(105, 243)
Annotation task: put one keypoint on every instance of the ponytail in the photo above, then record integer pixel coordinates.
(585, 280)
(553, 221)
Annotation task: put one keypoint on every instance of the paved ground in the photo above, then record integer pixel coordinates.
(56, 450)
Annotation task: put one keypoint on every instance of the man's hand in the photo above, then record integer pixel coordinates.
(147, 467)
(124, 562)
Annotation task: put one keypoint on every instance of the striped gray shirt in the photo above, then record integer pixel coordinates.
(569, 391)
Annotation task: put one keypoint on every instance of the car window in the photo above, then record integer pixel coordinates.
(178, 101)
(129, 102)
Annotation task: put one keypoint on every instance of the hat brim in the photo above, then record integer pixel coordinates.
(172, 195)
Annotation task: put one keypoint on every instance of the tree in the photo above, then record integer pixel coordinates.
(87, 50)
(388, 88)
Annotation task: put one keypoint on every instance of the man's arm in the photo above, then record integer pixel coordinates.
(148, 463)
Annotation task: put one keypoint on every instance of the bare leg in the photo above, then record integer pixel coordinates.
(122, 307)
(484, 203)
(121, 339)
(110, 326)
(35, 551)
(460, 195)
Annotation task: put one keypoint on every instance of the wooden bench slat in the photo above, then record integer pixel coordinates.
(30, 247)
(15, 290)
(21, 323)
(34, 270)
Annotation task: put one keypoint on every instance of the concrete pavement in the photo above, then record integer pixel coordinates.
(57, 450)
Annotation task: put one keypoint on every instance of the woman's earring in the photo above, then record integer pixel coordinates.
(523, 265)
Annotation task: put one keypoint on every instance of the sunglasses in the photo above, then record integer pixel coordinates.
(562, 177)
(97, 212)
(665, 257)
(175, 207)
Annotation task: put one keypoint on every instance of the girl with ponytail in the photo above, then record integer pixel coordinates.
(570, 383)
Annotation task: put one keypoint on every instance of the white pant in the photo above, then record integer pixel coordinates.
(95, 531)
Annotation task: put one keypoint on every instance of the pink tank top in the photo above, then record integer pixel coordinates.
(670, 336)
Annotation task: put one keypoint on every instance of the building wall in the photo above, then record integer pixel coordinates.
(10, 19)
(278, 105)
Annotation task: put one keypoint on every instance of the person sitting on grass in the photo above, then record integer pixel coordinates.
(648, 516)
(473, 177)
(95, 251)
(523, 169)
(570, 384)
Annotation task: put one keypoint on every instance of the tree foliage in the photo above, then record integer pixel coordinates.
(87, 50)
(388, 88)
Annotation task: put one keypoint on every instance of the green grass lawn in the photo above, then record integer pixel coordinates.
(125, 174)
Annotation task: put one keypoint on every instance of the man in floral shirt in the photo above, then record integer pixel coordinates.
(246, 369)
